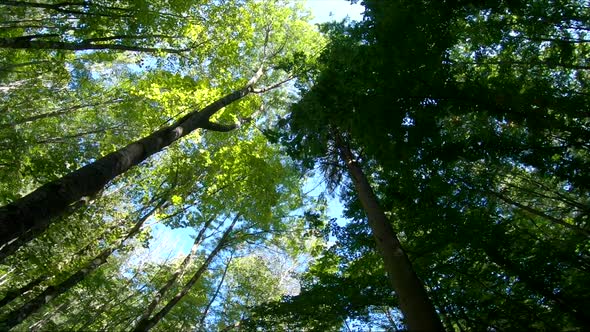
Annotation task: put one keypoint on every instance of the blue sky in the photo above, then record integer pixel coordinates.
(334, 10)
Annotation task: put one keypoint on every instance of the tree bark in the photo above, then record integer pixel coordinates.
(60, 7)
(14, 293)
(18, 315)
(33, 212)
(147, 324)
(29, 43)
(417, 308)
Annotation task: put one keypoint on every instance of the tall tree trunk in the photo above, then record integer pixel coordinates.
(147, 324)
(18, 315)
(30, 42)
(34, 211)
(417, 308)
(14, 293)
(177, 274)
(12, 246)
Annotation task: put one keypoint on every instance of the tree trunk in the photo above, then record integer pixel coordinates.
(18, 315)
(30, 43)
(60, 7)
(34, 211)
(147, 324)
(417, 308)
(14, 293)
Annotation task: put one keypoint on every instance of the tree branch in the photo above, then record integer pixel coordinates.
(221, 127)
(272, 87)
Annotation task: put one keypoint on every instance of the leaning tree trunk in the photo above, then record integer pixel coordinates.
(31, 42)
(61, 7)
(146, 324)
(15, 293)
(33, 212)
(32, 306)
(417, 308)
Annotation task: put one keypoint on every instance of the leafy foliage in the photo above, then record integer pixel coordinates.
(80, 80)
(470, 119)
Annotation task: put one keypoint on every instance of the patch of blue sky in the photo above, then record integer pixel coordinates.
(172, 241)
(334, 10)
(316, 186)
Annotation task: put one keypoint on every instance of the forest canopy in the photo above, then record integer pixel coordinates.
(455, 134)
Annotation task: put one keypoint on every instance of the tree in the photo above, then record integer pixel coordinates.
(455, 133)
(32, 212)
(65, 114)
(451, 108)
(304, 137)
(20, 219)
(414, 302)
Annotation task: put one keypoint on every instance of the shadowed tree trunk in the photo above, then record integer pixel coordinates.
(33, 212)
(31, 42)
(14, 293)
(417, 308)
